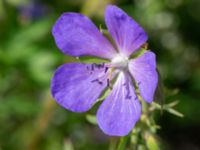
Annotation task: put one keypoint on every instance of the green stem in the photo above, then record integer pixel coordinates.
(122, 143)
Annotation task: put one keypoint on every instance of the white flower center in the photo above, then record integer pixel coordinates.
(120, 61)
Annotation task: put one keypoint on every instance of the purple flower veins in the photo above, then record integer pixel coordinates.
(77, 86)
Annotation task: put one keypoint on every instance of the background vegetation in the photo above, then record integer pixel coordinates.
(31, 120)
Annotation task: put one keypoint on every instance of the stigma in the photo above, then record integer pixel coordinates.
(120, 61)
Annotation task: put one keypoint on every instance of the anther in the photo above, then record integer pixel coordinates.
(99, 66)
(95, 80)
(103, 65)
(108, 83)
(128, 97)
(106, 69)
(88, 68)
(100, 82)
(92, 67)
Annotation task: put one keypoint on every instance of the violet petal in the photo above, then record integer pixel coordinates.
(120, 111)
(143, 70)
(75, 85)
(126, 32)
(76, 35)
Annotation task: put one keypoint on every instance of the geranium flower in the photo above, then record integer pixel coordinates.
(77, 86)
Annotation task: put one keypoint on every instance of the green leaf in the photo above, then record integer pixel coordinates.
(168, 108)
(108, 36)
(91, 119)
(138, 53)
(104, 95)
(89, 59)
(174, 112)
(172, 104)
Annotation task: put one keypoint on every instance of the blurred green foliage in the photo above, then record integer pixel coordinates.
(30, 118)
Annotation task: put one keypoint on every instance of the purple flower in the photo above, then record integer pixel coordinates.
(77, 86)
